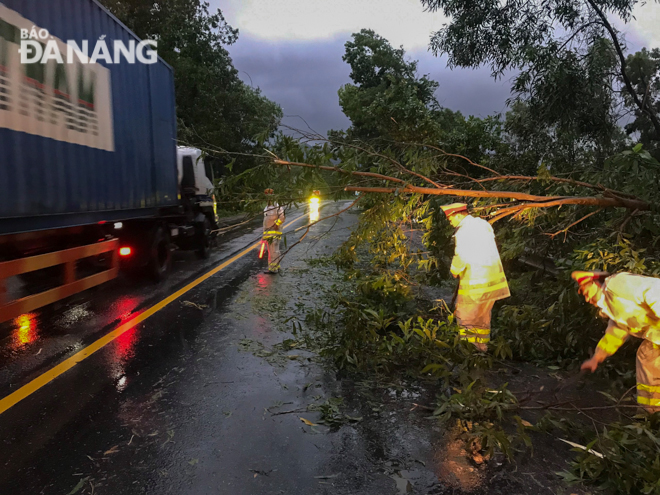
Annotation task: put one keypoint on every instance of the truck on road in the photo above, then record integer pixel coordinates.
(91, 178)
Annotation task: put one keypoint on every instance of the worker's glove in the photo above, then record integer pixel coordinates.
(589, 365)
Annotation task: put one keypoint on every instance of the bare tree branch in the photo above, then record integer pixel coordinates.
(565, 231)
(309, 226)
(340, 170)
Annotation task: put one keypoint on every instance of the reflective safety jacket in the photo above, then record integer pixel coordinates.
(632, 302)
(477, 263)
(273, 218)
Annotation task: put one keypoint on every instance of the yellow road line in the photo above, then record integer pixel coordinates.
(30, 388)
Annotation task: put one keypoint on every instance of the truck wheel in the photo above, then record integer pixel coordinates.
(204, 236)
(160, 258)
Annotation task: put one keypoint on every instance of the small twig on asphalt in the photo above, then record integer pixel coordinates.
(289, 412)
(420, 406)
(263, 473)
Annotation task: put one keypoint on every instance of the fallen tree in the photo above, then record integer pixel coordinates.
(608, 198)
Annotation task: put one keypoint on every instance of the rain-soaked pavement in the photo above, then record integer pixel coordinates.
(209, 395)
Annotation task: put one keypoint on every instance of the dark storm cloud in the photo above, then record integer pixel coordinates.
(470, 91)
(303, 77)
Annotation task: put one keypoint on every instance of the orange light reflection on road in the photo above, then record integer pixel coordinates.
(26, 330)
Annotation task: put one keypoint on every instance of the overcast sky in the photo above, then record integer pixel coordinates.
(292, 50)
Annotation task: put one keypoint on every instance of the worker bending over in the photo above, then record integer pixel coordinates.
(477, 264)
(632, 304)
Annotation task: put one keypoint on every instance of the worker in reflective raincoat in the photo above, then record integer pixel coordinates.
(632, 304)
(477, 264)
(273, 220)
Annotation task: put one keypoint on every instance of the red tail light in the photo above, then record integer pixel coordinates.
(125, 251)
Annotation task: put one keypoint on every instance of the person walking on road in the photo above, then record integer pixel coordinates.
(632, 304)
(478, 267)
(273, 220)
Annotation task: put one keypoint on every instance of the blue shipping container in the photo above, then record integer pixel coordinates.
(81, 142)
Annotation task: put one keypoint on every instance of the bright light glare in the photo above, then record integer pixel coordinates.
(314, 201)
(125, 251)
(26, 329)
(118, 225)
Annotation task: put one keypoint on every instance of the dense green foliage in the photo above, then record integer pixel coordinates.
(644, 72)
(215, 109)
(566, 53)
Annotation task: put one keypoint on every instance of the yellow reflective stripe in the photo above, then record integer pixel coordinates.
(610, 343)
(473, 331)
(609, 349)
(479, 283)
(654, 389)
(278, 222)
(648, 402)
(477, 340)
(471, 291)
(273, 232)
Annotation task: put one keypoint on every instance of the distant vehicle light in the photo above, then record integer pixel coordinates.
(125, 251)
(314, 201)
(118, 225)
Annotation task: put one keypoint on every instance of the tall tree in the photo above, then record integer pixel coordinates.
(529, 35)
(215, 108)
(387, 98)
(644, 71)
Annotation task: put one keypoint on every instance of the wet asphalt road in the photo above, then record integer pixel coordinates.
(156, 399)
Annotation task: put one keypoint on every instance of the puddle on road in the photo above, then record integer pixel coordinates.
(403, 484)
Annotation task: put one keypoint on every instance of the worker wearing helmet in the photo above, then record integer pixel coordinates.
(478, 266)
(632, 304)
(273, 220)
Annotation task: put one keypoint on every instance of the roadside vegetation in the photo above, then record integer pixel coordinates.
(568, 183)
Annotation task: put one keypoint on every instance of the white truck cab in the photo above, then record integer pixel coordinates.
(194, 173)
